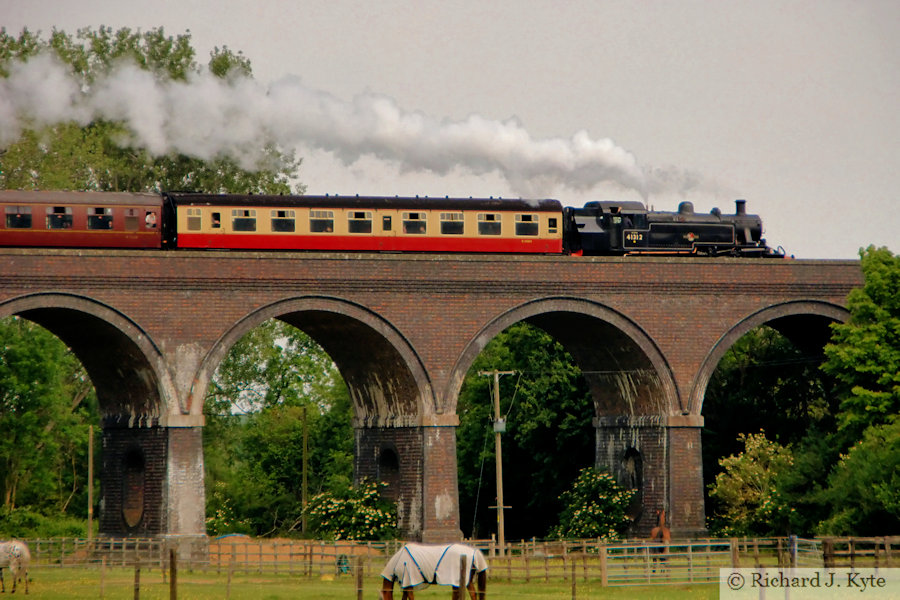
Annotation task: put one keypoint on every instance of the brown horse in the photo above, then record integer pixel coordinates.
(417, 566)
(660, 535)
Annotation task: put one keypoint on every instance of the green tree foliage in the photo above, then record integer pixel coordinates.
(98, 156)
(750, 499)
(47, 403)
(864, 488)
(594, 507)
(353, 513)
(864, 355)
(274, 381)
(549, 433)
(764, 382)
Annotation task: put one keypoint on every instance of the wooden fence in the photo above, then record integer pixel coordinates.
(626, 563)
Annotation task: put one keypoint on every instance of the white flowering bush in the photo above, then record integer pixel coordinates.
(594, 507)
(354, 513)
(747, 492)
(221, 517)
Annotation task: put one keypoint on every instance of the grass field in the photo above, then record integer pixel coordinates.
(118, 584)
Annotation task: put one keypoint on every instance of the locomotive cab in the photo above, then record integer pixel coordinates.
(607, 227)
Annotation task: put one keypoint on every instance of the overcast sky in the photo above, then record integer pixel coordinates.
(790, 105)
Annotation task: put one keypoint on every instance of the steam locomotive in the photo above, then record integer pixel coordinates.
(371, 224)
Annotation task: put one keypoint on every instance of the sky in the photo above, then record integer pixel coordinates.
(791, 105)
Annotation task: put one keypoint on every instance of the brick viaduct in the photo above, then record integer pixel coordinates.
(151, 327)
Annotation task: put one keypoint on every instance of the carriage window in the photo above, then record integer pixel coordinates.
(359, 221)
(452, 223)
(150, 219)
(131, 219)
(488, 224)
(194, 219)
(386, 223)
(414, 222)
(243, 220)
(18, 217)
(551, 225)
(283, 221)
(100, 218)
(216, 220)
(59, 217)
(321, 221)
(526, 224)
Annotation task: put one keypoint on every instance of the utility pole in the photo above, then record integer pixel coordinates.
(304, 496)
(90, 485)
(499, 428)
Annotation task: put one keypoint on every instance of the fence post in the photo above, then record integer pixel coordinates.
(573, 581)
(173, 575)
(735, 554)
(604, 572)
(359, 578)
(828, 553)
(137, 581)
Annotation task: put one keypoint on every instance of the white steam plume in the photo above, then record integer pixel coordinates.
(207, 116)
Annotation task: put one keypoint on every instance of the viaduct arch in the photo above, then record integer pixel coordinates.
(151, 327)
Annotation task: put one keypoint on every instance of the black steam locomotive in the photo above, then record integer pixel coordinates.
(629, 228)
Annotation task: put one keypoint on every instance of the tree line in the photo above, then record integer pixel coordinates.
(793, 443)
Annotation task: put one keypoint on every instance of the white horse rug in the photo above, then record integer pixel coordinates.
(417, 566)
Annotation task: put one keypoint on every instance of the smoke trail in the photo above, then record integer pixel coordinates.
(207, 117)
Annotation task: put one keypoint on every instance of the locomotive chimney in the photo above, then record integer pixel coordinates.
(740, 207)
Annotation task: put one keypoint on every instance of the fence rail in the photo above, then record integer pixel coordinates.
(634, 562)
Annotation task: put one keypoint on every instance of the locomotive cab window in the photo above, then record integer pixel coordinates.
(59, 217)
(100, 218)
(452, 223)
(18, 217)
(414, 222)
(488, 224)
(283, 221)
(321, 221)
(194, 219)
(359, 221)
(243, 219)
(526, 224)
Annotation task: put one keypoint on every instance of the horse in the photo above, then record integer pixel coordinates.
(660, 535)
(416, 566)
(15, 555)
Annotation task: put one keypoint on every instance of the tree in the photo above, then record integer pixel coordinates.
(549, 434)
(101, 155)
(864, 354)
(46, 405)
(750, 499)
(764, 382)
(863, 490)
(595, 506)
(274, 382)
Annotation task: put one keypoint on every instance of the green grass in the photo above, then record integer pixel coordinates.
(118, 583)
